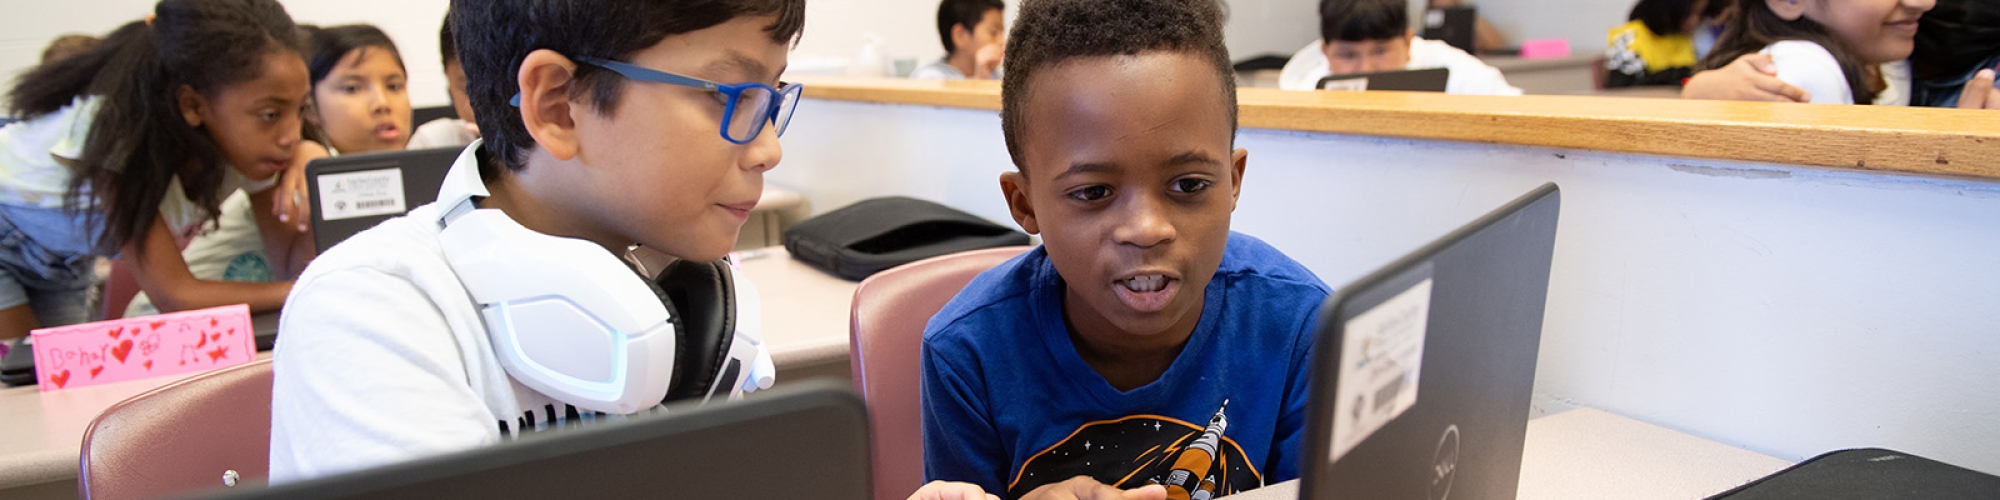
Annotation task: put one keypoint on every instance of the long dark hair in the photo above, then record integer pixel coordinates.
(138, 140)
(1954, 37)
(1756, 27)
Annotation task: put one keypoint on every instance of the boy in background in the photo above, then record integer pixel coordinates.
(1144, 347)
(449, 132)
(386, 357)
(1371, 36)
(975, 40)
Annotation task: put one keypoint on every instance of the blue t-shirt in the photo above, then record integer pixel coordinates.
(1010, 405)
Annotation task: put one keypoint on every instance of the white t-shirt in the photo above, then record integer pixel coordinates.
(384, 357)
(443, 133)
(1469, 75)
(34, 170)
(1809, 66)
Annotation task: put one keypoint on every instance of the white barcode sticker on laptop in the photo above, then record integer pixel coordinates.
(1381, 354)
(361, 194)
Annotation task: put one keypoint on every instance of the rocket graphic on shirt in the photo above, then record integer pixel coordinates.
(1194, 462)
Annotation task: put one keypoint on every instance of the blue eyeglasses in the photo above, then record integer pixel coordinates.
(749, 107)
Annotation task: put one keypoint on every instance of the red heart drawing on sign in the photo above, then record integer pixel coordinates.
(157, 324)
(115, 331)
(215, 336)
(149, 364)
(94, 371)
(60, 378)
(211, 321)
(124, 348)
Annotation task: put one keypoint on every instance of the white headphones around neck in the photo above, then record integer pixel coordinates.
(571, 320)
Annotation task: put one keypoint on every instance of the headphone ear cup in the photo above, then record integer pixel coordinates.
(703, 299)
(680, 325)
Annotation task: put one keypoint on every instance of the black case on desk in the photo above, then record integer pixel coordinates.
(872, 235)
(1869, 473)
(18, 367)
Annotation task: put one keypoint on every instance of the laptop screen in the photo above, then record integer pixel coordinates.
(801, 440)
(1426, 367)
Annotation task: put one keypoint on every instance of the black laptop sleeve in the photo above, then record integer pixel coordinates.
(1869, 473)
(859, 240)
(18, 366)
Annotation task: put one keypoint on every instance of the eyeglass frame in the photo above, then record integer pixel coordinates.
(786, 92)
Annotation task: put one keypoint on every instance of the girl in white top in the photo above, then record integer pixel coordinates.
(137, 141)
(1839, 51)
(360, 103)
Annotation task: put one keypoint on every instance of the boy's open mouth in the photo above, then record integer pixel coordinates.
(1147, 292)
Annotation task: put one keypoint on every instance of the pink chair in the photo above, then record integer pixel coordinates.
(199, 433)
(886, 334)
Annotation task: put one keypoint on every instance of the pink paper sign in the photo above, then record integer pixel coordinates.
(146, 346)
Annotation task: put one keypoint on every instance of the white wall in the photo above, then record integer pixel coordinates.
(834, 30)
(1789, 311)
(1583, 22)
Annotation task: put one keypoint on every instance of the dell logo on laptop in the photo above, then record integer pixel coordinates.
(1444, 464)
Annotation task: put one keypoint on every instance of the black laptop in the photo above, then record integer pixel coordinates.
(354, 192)
(1425, 368)
(1457, 26)
(798, 440)
(1415, 80)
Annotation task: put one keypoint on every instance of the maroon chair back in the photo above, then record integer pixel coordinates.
(886, 344)
(182, 438)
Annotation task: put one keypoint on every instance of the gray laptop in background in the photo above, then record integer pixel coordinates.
(798, 440)
(1425, 368)
(353, 192)
(1417, 80)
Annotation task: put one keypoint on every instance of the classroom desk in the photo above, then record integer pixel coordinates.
(1590, 454)
(1572, 75)
(805, 326)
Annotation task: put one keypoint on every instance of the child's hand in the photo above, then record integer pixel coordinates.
(987, 60)
(1085, 488)
(1752, 77)
(1979, 93)
(948, 490)
(292, 200)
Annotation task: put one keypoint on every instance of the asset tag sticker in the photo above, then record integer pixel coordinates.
(1381, 354)
(361, 194)
(1346, 84)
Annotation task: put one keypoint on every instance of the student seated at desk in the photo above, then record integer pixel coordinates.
(1657, 46)
(131, 146)
(589, 152)
(1368, 36)
(359, 103)
(1142, 321)
(975, 39)
(449, 132)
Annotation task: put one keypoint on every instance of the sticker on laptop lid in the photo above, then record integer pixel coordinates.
(1381, 354)
(361, 194)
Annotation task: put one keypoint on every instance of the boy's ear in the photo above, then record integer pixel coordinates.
(1789, 10)
(1237, 160)
(546, 110)
(961, 38)
(194, 107)
(1014, 186)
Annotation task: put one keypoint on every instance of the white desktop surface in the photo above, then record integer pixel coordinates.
(1591, 454)
(805, 323)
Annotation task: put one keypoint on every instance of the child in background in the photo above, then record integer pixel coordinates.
(135, 142)
(975, 40)
(360, 103)
(1369, 36)
(386, 356)
(1838, 51)
(1657, 46)
(449, 132)
(1142, 321)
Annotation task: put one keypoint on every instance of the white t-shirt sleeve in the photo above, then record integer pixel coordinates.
(367, 374)
(1304, 69)
(1808, 66)
(442, 133)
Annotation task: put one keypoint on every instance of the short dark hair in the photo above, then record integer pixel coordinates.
(1050, 32)
(330, 44)
(1955, 37)
(494, 36)
(966, 13)
(1362, 20)
(1663, 17)
(447, 48)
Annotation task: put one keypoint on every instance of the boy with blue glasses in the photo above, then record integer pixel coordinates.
(602, 125)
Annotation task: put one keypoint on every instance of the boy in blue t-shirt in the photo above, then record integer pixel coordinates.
(1144, 347)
